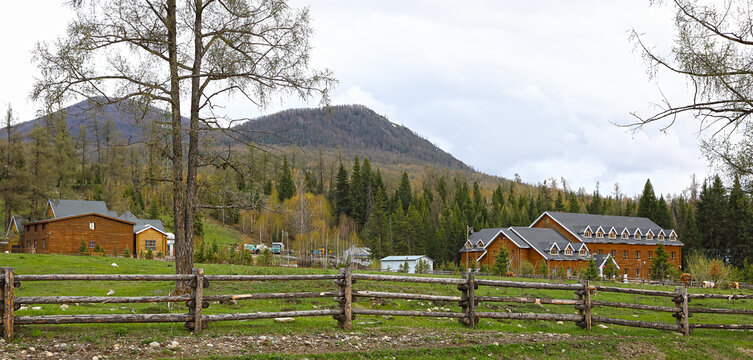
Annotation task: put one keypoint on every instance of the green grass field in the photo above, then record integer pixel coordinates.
(729, 344)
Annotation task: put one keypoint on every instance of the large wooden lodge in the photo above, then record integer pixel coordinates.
(566, 241)
(68, 223)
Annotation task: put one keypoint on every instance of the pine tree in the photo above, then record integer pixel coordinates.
(711, 212)
(403, 192)
(591, 273)
(501, 262)
(376, 231)
(739, 244)
(596, 206)
(660, 265)
(559, 203)
(573, 206)
(285, 185)
(342, 195)
(357, 194)
(647, 203)
(400, 230)
(661, 214)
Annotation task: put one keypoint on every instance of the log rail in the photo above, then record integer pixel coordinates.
(583, 298)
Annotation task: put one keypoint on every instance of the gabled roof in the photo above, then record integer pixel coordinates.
(573, 223)
(66, 208)
(80, 215)
(143, 224)
(543, 239)
(601, 260)
(18, 220)
(484, 235)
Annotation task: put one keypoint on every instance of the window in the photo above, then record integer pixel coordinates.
(625, 234)
(554, 250)
(626, 270)
(35, 227)
(35, 244)
(44, 243)
(638, 254)
(569, 271)
(612, 234)
(671, 237)
(91, 226)
(650, 254)
(568, 251)
(624, 254)
(467, 245)
(92, 244)
(599, 252)
(150, 245)
(587, 234)
(43, 224)
(649, 236)
(661, 236)
(637, 273)
(583, 251)
(613, 253)
(599, 234)
(673, 255)
(637, 235)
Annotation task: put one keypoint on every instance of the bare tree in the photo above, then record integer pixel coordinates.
(712, 50)
(145, 50)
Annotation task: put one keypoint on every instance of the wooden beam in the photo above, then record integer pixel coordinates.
(8, 303)
(101, 318)
(413, 279)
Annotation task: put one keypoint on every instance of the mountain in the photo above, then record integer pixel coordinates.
(350, 128)
(346, 129)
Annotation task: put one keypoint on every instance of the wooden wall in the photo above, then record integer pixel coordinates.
(64, 236)
(150, 234)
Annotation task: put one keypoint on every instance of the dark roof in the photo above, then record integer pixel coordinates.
(577, 224)
(19, 220)
(484, 235)
(516, 239)
(79, 215)
(142, 224)
(543, 239)
(65, 208)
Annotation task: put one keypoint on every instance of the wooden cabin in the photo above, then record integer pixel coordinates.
(64, 235)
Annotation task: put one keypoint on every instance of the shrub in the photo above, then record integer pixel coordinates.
(115, 251)
(265, 258)
(126, 252)
(159, 254)
(610, 270)
(501, 263)
(98, 249)
(543, 269)
(83, 249)
(591, 272)
(526, 268)
(149, 255)
(485, 268)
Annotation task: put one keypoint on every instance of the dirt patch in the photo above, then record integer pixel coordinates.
(230, 345)
(639, 350)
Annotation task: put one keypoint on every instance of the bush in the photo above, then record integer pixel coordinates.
(126, 252)
(485, 268)
(526, 268)
(83, 249)
(610, 270)
(265, 258)
(501, 263)
(591, 272)
(159, 254)
(149, 255)
(543, 269)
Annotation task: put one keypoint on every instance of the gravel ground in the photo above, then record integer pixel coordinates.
(229, 345)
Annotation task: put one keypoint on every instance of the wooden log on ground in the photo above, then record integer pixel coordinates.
(269, 315)
(99, 299)
(723, 326)
(636, 323)
(635, 306)
(261, 296)
(524, 299)
(528, 285)
(270, 277)
(530, 316)
(636, 291)
(458, 315)
(391, 295)
(107, 277)
(413, 279)
(101, 318)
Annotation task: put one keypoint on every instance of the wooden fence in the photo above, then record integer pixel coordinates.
(344, 294)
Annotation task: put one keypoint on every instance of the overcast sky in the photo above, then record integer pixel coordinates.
(526, 87)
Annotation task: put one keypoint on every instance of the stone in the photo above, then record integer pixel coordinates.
(495, 343)
(110, 292)
(154, 344)
(560, 323)
(285, 320)
(37, 308)
(602, 326)
(48, 354)
(32, 349)
(64, 307)
(95, 357)
(116, 346)
(173, 344)
(114, 265)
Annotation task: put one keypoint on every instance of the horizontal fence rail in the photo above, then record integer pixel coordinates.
(582, 300)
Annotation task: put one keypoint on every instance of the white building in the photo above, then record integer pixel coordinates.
(360, 256)
(170, 244)
(395, 262)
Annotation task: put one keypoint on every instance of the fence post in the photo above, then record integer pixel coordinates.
(463, 303)
(581, 307)
(685, 312)
(587, 304)
(196, 304)
(472, 286)
(345, 318)
(8, 302)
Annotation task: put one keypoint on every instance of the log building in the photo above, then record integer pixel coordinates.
(566, 241)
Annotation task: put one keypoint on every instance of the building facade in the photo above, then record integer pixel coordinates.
(565, 242)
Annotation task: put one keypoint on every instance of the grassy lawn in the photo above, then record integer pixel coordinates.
(614, 340)
(223, 235)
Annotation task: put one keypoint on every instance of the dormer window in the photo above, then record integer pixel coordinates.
(625, 234)
(568, 251)
(649, 235)
(583, 251)
(661, 236)
(637, 235)
(612, 234)
(599, 234)
(554, 251)
(480, 244)
(672, 237)
(467, 245)
(587, 233)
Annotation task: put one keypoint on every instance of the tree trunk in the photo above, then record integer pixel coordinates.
(183, 249)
